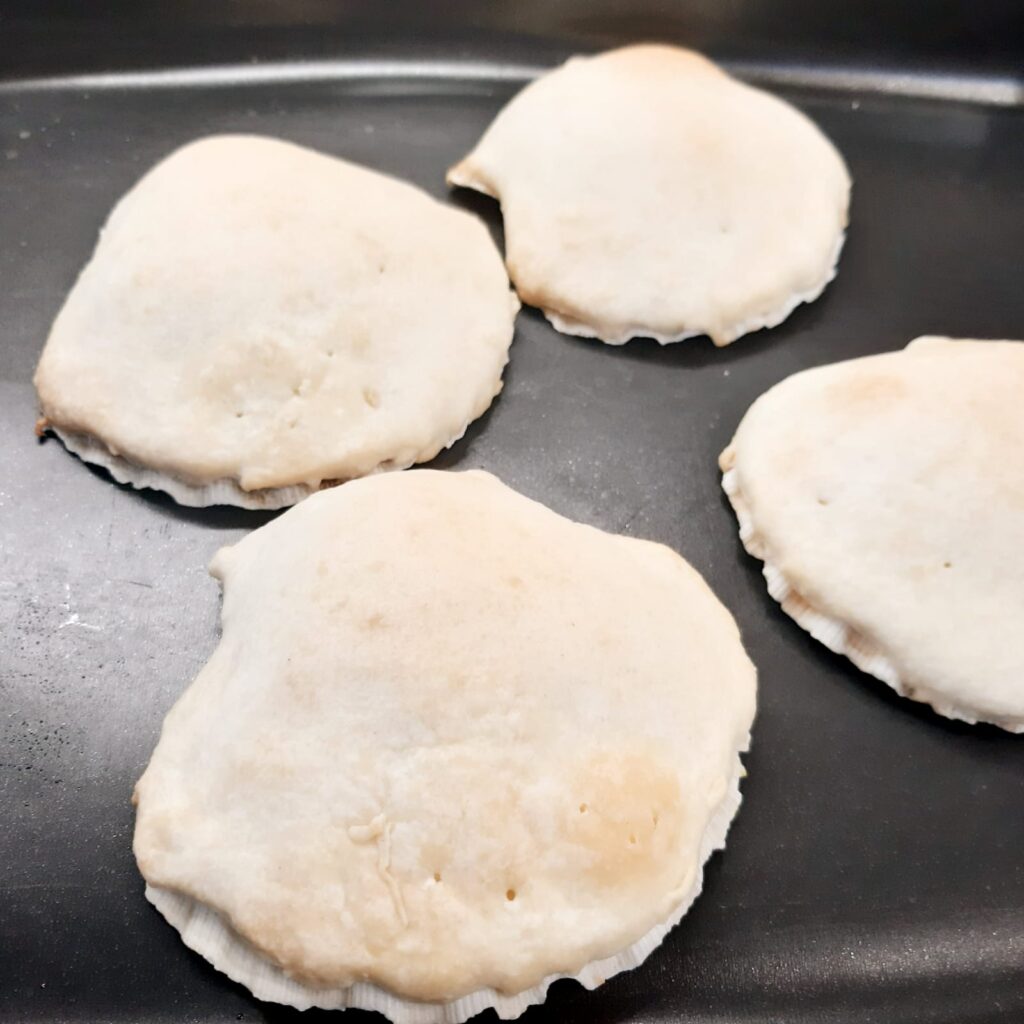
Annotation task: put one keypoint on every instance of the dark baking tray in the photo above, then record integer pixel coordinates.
(876, 870)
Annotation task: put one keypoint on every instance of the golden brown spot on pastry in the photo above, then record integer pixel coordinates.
(510, 895)
(375, 621)
(868, 389)
(621, 839)
(371, 398)
(437, 876)
(515, 582)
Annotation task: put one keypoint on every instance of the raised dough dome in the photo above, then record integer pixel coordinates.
(646, 192)
(259, 319)
(449, 742)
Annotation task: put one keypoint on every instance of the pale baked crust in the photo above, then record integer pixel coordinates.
(260, 319)
(191, 495)
(206, 932)
(938, 419)
(645, 192)
(449, 742)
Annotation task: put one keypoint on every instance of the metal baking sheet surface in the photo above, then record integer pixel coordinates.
(875, 872)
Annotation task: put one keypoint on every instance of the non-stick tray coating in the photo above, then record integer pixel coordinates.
(875, 872)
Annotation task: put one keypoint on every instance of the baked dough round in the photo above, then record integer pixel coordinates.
(259, 320)
(885, 496)
(451, 746)
(646, 192)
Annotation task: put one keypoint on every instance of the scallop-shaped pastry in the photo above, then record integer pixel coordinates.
(450, 747)
(885, 496)
(259, 320)
(646, 192)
